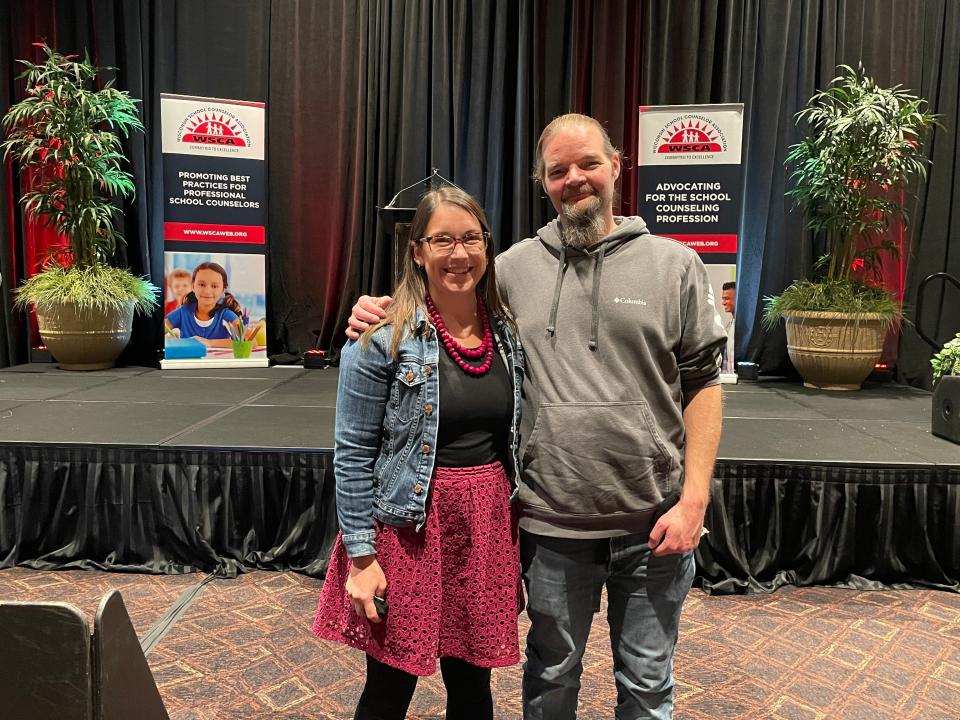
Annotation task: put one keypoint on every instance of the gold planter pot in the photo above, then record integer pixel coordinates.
(833, 350)
(85, 339)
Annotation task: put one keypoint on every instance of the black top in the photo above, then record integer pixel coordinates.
(475, 413)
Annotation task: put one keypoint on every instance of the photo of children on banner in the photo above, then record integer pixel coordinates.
(210, 317)
(179, 283)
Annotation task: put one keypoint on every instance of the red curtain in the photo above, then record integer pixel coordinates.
(892, 277)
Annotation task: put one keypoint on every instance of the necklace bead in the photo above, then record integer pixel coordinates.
(456, 351)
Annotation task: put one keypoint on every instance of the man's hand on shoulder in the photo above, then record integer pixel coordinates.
(368, 311)
(678, 530)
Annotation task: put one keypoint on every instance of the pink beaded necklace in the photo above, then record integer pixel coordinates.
(455, 350)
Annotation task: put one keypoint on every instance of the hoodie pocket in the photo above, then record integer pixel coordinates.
(594, 458)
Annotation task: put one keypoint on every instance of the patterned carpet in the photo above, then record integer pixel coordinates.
(244, 650)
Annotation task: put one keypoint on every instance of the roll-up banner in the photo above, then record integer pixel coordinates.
(690, 190)
(214, 232)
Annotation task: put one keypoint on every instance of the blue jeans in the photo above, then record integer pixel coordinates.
(645, 593)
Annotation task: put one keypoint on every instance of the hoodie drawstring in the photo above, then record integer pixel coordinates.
(597, 272)
(595, 300)
(561, 268)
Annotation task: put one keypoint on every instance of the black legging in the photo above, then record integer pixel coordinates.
(388, 691)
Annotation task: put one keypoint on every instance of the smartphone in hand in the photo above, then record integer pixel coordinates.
(381, 606)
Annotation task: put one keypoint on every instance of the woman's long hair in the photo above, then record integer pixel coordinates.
(227, 301)
(411, 291)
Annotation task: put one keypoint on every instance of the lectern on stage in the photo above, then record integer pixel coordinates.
(394, 231)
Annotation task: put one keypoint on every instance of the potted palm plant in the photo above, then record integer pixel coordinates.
(65, 133)
(864, 144)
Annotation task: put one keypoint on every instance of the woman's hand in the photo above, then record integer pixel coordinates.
(366, 580)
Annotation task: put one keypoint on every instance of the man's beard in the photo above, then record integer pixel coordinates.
(583, 227)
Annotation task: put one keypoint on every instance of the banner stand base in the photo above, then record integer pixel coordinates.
(214, 363)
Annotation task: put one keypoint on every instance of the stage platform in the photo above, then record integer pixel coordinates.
(292, 409)
(276, 408)
(230, 469)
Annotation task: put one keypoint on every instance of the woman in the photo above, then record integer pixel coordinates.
(427, 414)
(207, 308)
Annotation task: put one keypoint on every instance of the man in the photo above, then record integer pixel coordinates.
(728, 296)
(622, 408)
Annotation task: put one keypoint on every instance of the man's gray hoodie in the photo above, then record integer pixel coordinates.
(614, 336)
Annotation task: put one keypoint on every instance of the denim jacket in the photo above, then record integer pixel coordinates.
(388, 414)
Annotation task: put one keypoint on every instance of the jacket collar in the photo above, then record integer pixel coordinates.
(420, 321)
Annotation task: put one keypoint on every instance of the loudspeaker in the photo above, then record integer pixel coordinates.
(946, 408)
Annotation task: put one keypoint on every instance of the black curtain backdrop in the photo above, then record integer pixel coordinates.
(12, 342)
(365, 97)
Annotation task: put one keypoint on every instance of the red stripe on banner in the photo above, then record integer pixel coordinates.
(707, 243)
(205, 232)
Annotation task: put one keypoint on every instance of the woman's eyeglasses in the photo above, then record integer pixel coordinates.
(442, 244)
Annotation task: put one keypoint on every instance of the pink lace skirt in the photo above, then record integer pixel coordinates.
(453, 589)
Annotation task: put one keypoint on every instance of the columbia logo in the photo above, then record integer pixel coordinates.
(630, 301)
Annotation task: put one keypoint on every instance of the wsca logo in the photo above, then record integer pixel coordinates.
(213, 126)
(690, 134)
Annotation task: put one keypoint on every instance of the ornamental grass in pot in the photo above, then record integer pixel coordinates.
(66, 134)
(864, 144)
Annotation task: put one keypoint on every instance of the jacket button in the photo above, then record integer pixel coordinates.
(426, 449)
(409, 376)
(418, 488)
(427, 370)
(427, 409)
